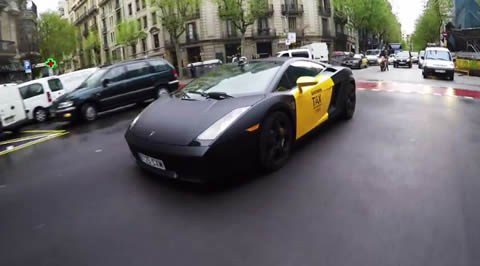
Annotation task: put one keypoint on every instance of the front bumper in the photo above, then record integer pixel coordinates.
(197, 164)
(438, 72)
(403, 63)
(373, 61)
(66, 114)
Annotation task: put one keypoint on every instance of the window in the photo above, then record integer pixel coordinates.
(55, 85)
(292, 24)
(111, 21)
(159, 66)
(145, 22)
(144, 45)
(325, 27)
(301, 54)
(112, 37)
(231, 29)
(156, 40)
(137, 4)
(139, 21)
(262, 23)
(191, 32)
(119, 16)
(31, 90)
(144, 4)
(115, 74)
(303, 68)
(154, 18)
(130, 10)
(137, 70)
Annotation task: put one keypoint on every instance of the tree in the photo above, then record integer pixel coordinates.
(127, 33)
(241, 14)
(174, 14)
(92, 46)
(56, 37)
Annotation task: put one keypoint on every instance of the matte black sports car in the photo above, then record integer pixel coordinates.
(239, 115)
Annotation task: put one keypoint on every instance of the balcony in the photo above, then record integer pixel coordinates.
(78, 4)
(264, 33)
(92, 10)
(292, 10)
(194, 14)
(343, 37)
(8, 48)
(230, 35)
(325, 11)
(268, 11)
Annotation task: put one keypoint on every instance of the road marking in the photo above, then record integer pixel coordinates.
(437, 94)
(23, 139)
(49, 137)
(468, 97)
(43, 131)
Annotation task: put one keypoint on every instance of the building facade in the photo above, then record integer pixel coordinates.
(18, 38)
(207, 36)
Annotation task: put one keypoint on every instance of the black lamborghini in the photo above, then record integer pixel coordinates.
(239, 115)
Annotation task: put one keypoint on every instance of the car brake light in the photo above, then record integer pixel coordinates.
(49, 97)
(175, 74)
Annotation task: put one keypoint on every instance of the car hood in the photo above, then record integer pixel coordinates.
(73, 95)
(372, 56)
(439, 63)
(174, 121)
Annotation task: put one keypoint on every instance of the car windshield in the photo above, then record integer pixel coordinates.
(403, 54)
(415, 54)
(422, 53)
(235, 79)
(373, 52)
(438, 55)
(93, 80)
(357, 56)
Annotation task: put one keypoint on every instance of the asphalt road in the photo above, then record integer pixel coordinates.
(397, 185)
(414, 76)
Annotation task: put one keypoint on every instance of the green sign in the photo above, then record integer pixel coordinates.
(51, 63)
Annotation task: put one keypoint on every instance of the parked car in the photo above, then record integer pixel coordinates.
(38, 95)
(356, 61)
(115, 86)
(305, 53)
(12, 109)
(438, 62)
(72, 80)
(391, 59)
(414, 57)
(338, 57)
(421, 58)
(403, 58)
(372, 56)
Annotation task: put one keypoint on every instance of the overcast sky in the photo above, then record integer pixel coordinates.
(406, 10)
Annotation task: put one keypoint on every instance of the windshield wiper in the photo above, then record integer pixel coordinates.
(213, 95)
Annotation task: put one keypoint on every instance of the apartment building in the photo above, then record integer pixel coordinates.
(18, 38)
(207, 36)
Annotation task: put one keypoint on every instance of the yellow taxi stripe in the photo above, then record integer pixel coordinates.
(33, 143)
(44, 131)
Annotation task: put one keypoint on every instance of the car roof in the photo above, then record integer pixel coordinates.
(437, 49)
(127, 62)
(40, 80)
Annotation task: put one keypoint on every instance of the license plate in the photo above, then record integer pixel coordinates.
(156, 163)
(440, 71)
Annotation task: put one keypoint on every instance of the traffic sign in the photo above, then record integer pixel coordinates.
(292, 37)
(27, 66)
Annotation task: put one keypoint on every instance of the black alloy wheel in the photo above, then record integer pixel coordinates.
(276, 141)
(40, 115)
(350, 102)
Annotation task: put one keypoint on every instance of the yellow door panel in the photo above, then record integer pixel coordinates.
(312, 105)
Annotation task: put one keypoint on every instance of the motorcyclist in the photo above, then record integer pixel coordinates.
(384, 57)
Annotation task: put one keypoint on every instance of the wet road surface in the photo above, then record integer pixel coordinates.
(397, 185)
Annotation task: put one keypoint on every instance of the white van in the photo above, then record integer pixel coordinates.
(72, 80)
(319, 50)
(39, 94)
(438, 61)
(12, 110)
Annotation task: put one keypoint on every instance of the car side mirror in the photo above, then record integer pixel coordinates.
(422, 57)
(306, 82)
(105, 82)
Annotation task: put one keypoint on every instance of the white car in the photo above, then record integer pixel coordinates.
(12, 110)
(391, 59)
(373, 56)
(38, 95)
(305, 53)
(72, 80)
(438, 62)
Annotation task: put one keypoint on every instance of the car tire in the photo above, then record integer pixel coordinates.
(350, 102)
(276, 141)
(40, 115)
(161, 92)
(89, 112)
(452, 77)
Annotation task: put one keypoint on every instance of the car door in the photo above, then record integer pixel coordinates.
(140, 80)
(311, 102)
(113, 91)
(33, 96)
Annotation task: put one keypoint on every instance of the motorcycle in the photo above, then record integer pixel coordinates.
(382, 61)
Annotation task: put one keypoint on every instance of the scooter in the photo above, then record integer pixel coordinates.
(382, 61)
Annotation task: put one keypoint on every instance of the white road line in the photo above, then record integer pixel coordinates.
(376, 90)
(468, 97)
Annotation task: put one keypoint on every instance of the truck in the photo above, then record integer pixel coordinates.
(319, 51)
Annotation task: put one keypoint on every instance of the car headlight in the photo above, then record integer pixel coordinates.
(221, 125)
(65, 104)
